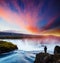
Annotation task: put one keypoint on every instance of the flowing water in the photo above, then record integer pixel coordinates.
(26, 52)
(17, 57)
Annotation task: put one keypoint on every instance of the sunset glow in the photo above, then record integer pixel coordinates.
(30, 16)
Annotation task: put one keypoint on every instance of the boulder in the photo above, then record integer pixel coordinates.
(40, 57)
(57, 50)
(47, 58)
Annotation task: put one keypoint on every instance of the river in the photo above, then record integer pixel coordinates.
(18, 57)
(26, 52)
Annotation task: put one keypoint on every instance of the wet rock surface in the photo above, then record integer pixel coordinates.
(48, 58)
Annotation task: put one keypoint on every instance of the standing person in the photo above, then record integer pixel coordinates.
(45, 49)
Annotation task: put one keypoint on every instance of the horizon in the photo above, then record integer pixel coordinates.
(18, 32)
(29, 31)
(30, 17)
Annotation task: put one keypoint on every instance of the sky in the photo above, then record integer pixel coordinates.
(40, 17)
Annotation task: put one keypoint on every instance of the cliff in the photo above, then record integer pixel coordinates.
(48, 58)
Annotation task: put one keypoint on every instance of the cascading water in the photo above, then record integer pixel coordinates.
(34, 44)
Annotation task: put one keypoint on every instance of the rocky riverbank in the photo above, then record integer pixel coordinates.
(7, 47)
(48, 58)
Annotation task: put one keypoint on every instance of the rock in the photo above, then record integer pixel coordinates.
(7, 47)
(47, 58)
(58, 61)
(57, 50)
(40, 57)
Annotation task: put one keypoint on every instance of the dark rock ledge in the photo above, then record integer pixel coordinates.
(49, 58)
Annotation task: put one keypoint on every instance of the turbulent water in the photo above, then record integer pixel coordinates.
(34, 44)
(18, 57)
(27, 50)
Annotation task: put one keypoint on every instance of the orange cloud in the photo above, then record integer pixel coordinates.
(22, 20)
(55, 32)
(28, 19)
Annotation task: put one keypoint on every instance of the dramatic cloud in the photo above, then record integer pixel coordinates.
(32, 16)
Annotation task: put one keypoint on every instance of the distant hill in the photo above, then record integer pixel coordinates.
(17, 35)
(13, 35)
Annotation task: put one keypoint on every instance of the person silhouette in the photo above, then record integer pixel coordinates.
(45, 49)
